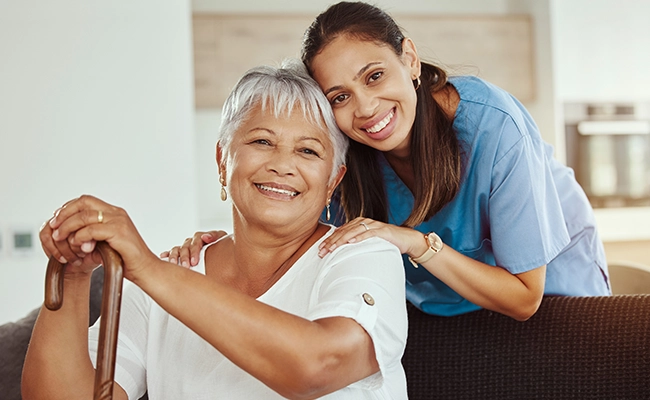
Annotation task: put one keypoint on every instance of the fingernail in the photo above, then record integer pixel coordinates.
(86, 247)
(55, 235)
(173, 261)
(321, 253)
(62, 260)
(352, 240)
(193, 261)
(52, 222)
(76, 263)
(332, 247)
(184, 263)
(206, 236)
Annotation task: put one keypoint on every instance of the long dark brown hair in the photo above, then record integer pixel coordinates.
(435, 150)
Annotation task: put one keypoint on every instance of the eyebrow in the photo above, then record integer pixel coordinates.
(357, 76)
(301, 138)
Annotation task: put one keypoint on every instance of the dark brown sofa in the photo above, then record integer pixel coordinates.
(572, 348)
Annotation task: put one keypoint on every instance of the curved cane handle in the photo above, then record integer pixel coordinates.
(110, 313)
(54, 284)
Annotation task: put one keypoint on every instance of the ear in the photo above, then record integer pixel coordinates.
(411, 57)
(221, 162)
(335, 182)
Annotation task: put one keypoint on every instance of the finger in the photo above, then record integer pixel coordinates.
(172, 255)
(76, 247)
(74, 206)
(88, 247)
(76, 221)
(49, 248)
(353, 226)
(62, 251)
(211, 236)
(199, 240)
(67, 252)
(355, 230)
(184, 253)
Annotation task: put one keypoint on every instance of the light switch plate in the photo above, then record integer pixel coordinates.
(21, 240)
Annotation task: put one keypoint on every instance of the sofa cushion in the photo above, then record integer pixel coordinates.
(14, 338)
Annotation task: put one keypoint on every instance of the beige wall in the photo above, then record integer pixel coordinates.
(629, 251)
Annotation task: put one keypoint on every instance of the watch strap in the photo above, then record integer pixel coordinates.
(430, 252)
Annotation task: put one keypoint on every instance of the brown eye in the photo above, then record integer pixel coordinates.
(375, 76)
(339, 99)
(310, 152)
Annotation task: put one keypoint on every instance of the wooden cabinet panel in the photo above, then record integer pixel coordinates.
(496, 48)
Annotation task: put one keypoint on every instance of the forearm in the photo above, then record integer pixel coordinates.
(57, 365)
(490, 287)
(291, 355)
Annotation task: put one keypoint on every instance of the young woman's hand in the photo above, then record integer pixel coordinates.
(188, 254)
(409, 241)
(80, 223)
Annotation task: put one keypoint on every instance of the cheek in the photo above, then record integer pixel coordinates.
(344, 118)
(317, 176)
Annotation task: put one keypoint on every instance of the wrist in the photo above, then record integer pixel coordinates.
(418, 245)
(434, 246)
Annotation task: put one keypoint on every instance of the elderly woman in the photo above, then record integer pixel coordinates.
(264, 317)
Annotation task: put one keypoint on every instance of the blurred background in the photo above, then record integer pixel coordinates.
(122, 99)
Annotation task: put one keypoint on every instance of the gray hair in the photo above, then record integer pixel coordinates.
(283, 89)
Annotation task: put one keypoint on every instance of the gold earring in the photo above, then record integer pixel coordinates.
(416, 83)
(224, 194)
(327, 213)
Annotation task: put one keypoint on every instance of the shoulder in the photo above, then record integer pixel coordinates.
(477, 94)
(374, 253)
(476, 90)
(371, 246)
(488, 110)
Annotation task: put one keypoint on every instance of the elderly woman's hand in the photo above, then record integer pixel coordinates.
(409, 241)
(75, 228)
(189, 253)
(67, 251)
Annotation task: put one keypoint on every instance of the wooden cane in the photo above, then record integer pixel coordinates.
(110, 313)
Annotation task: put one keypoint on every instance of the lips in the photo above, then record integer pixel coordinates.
(381, 124)
(282, 190)
(380, 127)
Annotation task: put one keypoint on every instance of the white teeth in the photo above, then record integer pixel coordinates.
(381, 124)
(276, 190)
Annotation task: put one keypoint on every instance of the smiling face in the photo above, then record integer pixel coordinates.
(278, 169)
(371, 90)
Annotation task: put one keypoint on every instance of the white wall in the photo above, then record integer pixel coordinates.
(95, 97)
(601, 49)
(317, 6)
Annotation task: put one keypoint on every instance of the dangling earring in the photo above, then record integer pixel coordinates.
(327, 213)
(416, 83)
(224, 194)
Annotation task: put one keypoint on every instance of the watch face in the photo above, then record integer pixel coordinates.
(434, 242)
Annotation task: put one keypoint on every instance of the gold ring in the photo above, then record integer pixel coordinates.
(100, 217)
(365, 226)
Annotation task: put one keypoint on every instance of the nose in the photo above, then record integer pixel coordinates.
(281, 161)
(366, 104)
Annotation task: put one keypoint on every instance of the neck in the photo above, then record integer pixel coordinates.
(253, 260)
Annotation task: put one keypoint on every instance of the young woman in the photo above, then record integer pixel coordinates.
(452, 170)
(265, 317)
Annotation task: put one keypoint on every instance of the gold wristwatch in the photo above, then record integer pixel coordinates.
(435, 245)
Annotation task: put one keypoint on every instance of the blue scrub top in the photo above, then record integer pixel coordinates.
(517, 207)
